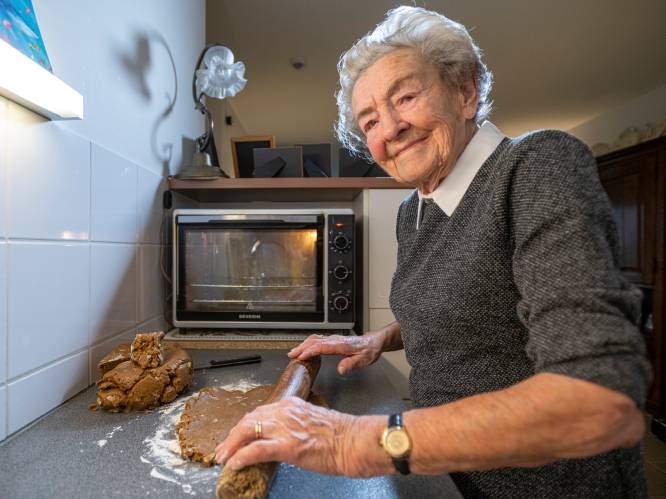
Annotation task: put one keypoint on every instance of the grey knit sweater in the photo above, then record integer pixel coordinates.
(522, 279)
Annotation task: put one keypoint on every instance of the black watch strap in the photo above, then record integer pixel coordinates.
(401, 465)
(395, 420)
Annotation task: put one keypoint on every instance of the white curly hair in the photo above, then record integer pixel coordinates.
(438, 39)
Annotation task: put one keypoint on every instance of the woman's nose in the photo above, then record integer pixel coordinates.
(393, 125)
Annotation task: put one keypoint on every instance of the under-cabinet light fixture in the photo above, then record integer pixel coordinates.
(26, 82)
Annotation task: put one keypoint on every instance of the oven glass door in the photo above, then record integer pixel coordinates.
(251, 270)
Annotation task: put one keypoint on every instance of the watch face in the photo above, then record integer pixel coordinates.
(397, 443)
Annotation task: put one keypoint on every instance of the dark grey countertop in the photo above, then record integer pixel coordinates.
(74, 452)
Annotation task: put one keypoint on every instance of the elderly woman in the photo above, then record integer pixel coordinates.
(527, 369)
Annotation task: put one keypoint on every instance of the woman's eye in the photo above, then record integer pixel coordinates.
(369, 125)
(406, 98)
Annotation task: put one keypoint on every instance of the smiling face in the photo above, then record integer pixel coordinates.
(415, 125)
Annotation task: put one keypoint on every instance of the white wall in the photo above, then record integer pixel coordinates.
(649, 108)
(80, 202)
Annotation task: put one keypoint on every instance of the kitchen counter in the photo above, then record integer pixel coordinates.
(75, 452)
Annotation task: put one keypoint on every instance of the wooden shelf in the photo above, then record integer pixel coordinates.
(280, 189)
(213, 344)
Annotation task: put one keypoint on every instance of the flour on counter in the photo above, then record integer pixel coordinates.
(110, 434)
(101, 443)
(243, 385)
(162, 451)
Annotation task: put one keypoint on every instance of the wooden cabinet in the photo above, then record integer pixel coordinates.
(635, 180)
(631, 183)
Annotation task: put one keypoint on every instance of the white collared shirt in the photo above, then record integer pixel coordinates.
(452, 189)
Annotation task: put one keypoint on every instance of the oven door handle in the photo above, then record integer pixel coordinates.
(261, 224)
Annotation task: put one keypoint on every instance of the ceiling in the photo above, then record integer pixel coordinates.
(556, 64)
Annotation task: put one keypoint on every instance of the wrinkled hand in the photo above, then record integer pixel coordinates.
(359, 351)
(298, 433)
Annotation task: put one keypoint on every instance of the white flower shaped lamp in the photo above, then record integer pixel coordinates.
(220, 77)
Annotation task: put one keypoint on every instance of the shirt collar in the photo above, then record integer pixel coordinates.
(452, 189)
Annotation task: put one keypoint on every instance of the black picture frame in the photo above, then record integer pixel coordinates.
(278, 162)
(353, 166)
(316, 160)
(241, 151)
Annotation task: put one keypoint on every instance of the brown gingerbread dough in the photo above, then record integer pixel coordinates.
(209, 415)
(212, 412)
(126, 386)
(147, 350)
(118, 355)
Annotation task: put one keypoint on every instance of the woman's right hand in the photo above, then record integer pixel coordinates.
(358, 351)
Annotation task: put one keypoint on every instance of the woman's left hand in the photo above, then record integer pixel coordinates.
(296, 432)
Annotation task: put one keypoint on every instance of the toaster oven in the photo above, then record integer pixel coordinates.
(264, 268)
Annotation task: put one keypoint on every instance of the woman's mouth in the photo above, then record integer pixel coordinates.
(410, 145)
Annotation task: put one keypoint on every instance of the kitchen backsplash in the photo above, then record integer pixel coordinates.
(79, 261)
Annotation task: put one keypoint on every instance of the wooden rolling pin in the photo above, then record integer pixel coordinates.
(252, 482)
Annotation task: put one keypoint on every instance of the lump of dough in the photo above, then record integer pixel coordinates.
(123, 376)
(146, 349)
(168, 394)
(120, 354)
(112, 399)
(147, 392)
(128, 386)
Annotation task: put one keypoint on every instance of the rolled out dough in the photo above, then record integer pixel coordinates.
(212, 412)
(209, 416)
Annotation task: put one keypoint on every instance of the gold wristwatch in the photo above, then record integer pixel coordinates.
(397, 444)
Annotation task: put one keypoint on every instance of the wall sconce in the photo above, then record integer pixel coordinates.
(219, 78)
(26, 82)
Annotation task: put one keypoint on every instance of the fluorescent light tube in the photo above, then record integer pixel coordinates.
(26, 82)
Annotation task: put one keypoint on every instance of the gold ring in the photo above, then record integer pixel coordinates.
(257, 430)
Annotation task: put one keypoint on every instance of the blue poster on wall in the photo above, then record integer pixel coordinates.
(20, 29)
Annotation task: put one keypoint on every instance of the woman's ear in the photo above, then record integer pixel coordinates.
(470, 98)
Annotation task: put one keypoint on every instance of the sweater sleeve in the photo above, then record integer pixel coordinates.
(581, 314)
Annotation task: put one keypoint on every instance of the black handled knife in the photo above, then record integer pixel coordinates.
(252, 359)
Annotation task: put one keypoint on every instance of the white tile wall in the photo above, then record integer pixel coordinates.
(149, 205)
(48, 179)
(113, 206)
(150, 282)
(4, 109)
(79, 261)
(3, 412)
(3, 154)
(37, 393)
(58, 184)
(155, 324)
(47, 303)
(113, 289)
(3, 312)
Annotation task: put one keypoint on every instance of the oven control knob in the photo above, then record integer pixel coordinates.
(341, 272)
(340, 303)
(341, 242)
